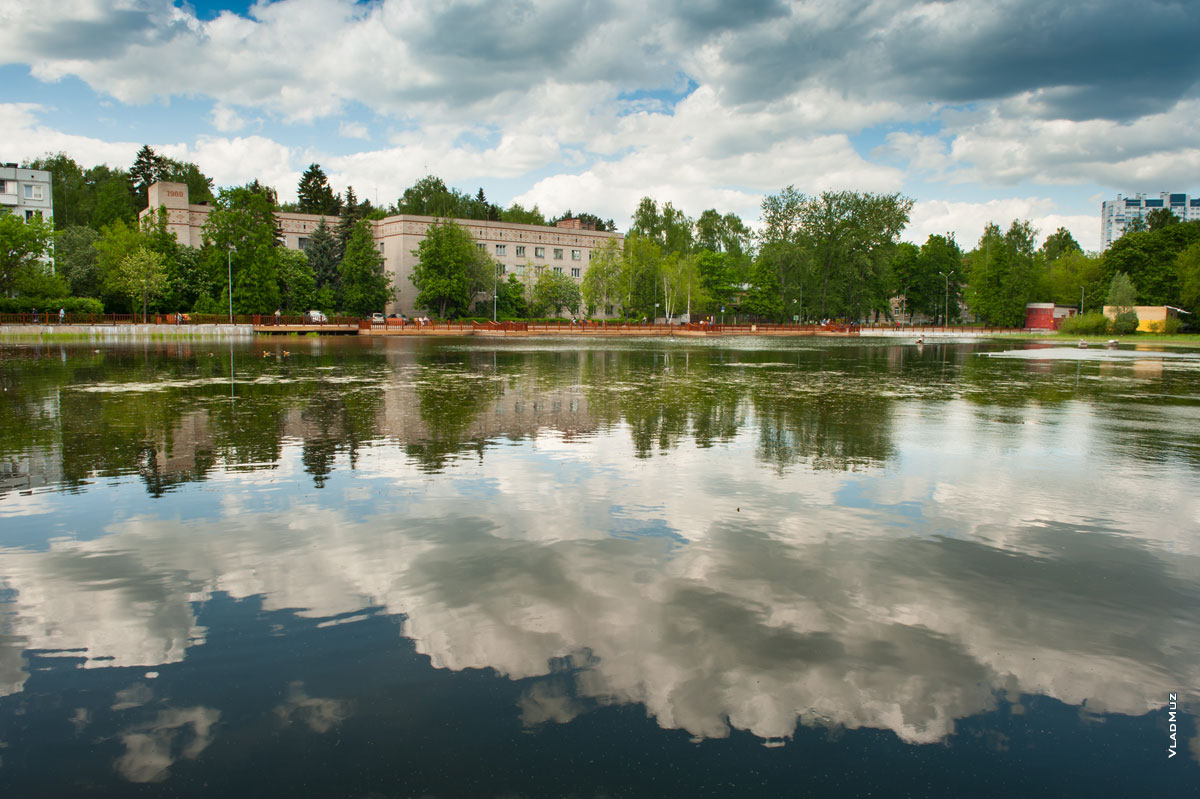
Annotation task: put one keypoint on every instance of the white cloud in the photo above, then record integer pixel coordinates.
(353, 130)
(966, 220)
(226, 120)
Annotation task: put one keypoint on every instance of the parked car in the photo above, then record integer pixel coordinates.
(315, 317)
(377, 318)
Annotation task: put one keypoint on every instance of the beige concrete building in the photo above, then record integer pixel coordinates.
(522, 250)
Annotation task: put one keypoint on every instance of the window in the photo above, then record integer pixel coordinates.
(576, 255)
(501, 249)
(539, 252)
(608, 310)
(302, 243)
(482, 247)
(558, 254)
(521, 251)
(558, 269)
(4, 187)
(31, 213)
(501, 268)
(33, 192)
(575, 271)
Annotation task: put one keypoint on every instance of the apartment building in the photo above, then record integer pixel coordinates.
(521, 250)
(1116, 215)
(26, 192)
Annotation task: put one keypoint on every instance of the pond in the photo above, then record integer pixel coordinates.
(535, 568)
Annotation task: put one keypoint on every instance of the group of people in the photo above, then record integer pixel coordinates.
(62, 314)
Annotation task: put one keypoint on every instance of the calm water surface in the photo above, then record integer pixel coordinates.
(534, 568)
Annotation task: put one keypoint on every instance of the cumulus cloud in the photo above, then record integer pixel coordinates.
(966, 220)
(596, 105)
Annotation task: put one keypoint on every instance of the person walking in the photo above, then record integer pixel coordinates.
(62, 312)
(35, 316)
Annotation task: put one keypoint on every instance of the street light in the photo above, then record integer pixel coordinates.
(946, 318)
(229, 263)
(495, 284)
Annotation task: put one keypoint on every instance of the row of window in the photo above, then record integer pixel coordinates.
(538, 252)
(520, 270)
(31, 192)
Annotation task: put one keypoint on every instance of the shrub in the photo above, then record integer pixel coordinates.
(1125, 323)
(1090, 324)
(51, 304)
(1170, 326)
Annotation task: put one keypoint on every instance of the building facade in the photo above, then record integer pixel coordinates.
(521, 250)
(26, 192)
(1116, 215)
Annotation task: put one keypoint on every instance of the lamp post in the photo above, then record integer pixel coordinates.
(229, 264)
(495, 285)
(654, 321)
(1081, 299)
(904, 307)
(946, 318)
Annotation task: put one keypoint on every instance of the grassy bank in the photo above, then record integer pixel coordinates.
(1157, 339)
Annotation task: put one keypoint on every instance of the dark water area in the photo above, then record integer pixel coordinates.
(591, 568)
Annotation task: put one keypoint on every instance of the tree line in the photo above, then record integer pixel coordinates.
(832, 255)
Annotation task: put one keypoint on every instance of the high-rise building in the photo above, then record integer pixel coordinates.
(1116, 215)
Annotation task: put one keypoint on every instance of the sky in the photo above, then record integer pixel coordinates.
(978, 110)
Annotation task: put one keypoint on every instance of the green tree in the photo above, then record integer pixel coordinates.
(240, 235)
(315, 195)
(297, 284)
(1058, 244)
(1070, 272)
(117, 241)
(68, 187)
(510, 299)
(555, 291)
(1004, 274)
(1160, 218)
(430, 196)
(586, 218)
(22, 244)
(764, 297)
(717, 278)
(75, 258)
(200, 186)
(347, 222)
(669, 227)
(1187, 268)
(516, 214)
(601, 284)
(366, 287)
(448, 266)
(681, 284)
(148, 167)
(113, 201)
(141, 275)
(323, 258)
(1149, 257)
(717, 233)
(641, 275)
(1122, 296)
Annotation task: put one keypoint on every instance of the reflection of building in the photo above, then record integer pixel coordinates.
(1117, 215)
(515, 249)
